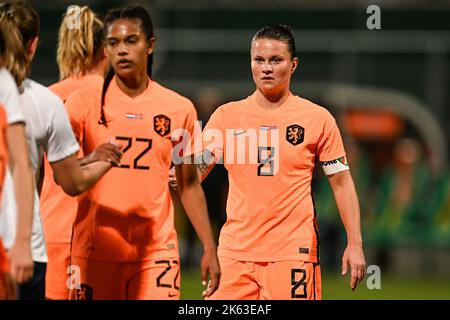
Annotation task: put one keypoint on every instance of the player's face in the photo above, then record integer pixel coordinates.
(272, 65)
(127, 47)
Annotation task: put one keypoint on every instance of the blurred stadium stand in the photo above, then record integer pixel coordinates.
(396, 79)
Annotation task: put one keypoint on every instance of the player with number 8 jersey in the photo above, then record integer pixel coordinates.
(274, 141)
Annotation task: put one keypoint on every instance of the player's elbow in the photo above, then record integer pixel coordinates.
(189, 183)
(341, 180)
(74, 189)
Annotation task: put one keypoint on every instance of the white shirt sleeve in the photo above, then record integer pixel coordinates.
(61, 140)
(9, 98)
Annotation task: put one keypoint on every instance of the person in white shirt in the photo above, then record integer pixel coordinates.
(20, 174)
(16, 266)
(48, 130)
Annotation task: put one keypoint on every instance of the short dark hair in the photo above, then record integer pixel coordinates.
(278, 32)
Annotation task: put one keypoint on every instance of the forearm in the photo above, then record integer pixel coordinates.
(84, 161)
(23, 179)
(91, 173)
(24, 192)
(203, 170)
(207, 163)
(194, 203)
(348, 206)
(75, 180)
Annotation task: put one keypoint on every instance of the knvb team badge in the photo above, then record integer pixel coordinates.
(295, 134)
(161, 124)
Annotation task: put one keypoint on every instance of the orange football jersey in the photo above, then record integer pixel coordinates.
(58, 210)
(128, 215)
(4, 261)
(270, 157)
(64, 88)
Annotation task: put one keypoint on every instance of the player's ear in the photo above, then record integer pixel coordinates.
(32, 46)
(105, 52)
(151, 45)
(294, 64)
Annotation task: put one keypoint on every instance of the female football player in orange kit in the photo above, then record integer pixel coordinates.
(269, 245)
(82, 63)
(124, 243)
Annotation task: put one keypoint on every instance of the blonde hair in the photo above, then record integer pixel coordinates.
(19, 24)
(79, 43)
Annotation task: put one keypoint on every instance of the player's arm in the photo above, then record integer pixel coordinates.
(347, 203)
(75, 179)
(22, 173)
(194, 203)
(105, 152)
(205, 166)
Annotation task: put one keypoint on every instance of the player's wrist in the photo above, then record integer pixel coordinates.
(23, 238)
(355, 242)
(209, 247)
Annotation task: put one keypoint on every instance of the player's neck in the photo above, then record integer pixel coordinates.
(271, 101)
(98, 70)
(133, 87)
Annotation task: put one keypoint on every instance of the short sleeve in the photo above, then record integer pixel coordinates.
(330, 145)
(330, 148)
(61, 142)
(186, 137)
(213, 135)
(10, 99)
(192, 126)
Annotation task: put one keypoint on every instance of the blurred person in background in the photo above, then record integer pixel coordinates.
(82, 63)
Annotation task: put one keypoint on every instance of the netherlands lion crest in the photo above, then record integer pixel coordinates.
(161, 124)
(295, 134)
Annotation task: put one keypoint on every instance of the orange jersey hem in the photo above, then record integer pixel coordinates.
(249, 256)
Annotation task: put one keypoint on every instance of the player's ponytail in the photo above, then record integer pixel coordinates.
(146, 23)
(80, 42)
(18, 24)
(106, 83)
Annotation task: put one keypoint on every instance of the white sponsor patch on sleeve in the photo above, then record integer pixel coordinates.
(335, 166)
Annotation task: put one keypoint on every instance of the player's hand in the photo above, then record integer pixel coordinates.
(7, 287)
(108, 152)
(354, 257)
(173, 178)
(210, 264)
(21, 262)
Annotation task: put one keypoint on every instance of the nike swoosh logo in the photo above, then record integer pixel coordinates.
(238, 133)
